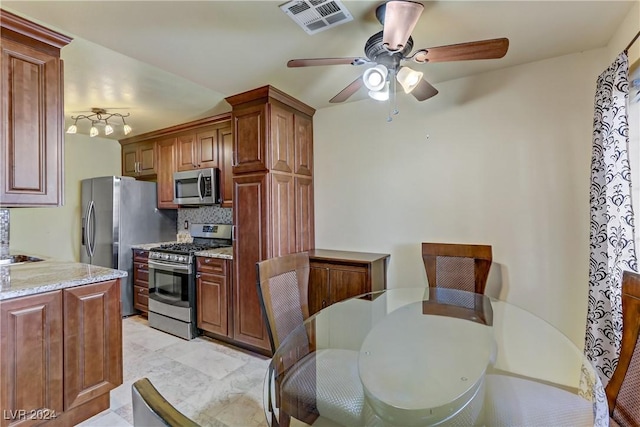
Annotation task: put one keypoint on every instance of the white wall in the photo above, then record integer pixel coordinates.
(501, 158)
(55, 232)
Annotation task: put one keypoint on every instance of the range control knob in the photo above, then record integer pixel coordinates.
(165, 256)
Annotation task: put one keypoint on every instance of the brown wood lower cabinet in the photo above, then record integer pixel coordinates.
(60, 354)
(141, 280)
(212, 294)
(338, 275)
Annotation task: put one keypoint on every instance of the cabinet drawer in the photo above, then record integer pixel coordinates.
(141, 298)
(211, 265)
(140, 255)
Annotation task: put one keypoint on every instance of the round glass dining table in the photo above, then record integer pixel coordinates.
(430, 356)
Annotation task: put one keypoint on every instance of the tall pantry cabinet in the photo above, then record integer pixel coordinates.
(273, 195)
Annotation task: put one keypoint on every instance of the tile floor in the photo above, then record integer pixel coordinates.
(212, 383)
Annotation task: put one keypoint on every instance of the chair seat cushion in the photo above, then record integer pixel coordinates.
(512, 401)
(329, 381)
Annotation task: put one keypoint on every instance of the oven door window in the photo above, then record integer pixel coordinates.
(170, 287)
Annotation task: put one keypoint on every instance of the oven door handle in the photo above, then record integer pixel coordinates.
(170, 267)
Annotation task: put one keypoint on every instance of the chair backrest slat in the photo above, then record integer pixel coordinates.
(283, 284)
(457, 266)
(622, 389)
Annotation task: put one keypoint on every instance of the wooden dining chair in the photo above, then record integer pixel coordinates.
(622, 389)
(457, 266)
(316, 383)
(151, 409)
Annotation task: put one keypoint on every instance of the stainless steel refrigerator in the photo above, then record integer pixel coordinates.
(118, 212)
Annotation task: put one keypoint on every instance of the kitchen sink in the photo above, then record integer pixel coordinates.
(19, 259)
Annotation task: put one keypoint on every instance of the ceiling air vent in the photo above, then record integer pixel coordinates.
(317, 15)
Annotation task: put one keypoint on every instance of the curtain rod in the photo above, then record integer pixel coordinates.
(633, 40)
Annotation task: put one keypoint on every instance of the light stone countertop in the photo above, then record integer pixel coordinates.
(49, 275)
(225, 253)
(147, 246)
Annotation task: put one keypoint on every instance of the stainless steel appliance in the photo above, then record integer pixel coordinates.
(172, 279)
(118, 212)
(197, 187)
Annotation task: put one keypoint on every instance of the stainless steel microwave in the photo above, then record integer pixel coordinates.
(197, 187)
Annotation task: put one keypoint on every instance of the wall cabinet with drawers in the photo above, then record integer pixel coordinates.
(338, 275)
(141, 280)
(31, 141)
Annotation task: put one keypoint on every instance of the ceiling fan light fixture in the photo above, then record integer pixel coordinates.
(375, 77)
(382, 94)
(408, 78)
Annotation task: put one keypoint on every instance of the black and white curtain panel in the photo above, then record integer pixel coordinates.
(612, 224)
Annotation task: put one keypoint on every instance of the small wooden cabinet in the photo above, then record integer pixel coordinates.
(201, 149)
(338, 275)
(60, 354)
(212, 295)
(141, 280)
(31, 141)
(139, 160)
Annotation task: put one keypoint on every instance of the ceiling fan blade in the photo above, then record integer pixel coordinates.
(424, 90)
(347, 91)
(481, 49)
(326, 61)
(400, 18)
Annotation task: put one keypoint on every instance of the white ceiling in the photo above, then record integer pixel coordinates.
(168, 62)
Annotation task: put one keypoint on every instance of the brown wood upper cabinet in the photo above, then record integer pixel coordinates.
(139, 160)
(289, 147)
(201, 149)
(32, 140)
(204, 143)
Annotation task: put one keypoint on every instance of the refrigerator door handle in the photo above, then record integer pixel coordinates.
(85, 230)
(91, 228)
(200, 186)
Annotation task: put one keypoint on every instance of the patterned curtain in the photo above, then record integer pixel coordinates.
(612, 231)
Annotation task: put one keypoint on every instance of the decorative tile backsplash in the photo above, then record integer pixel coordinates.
(204, 215)
(4, 233)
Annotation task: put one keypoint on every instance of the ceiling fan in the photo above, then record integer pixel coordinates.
(388, 48)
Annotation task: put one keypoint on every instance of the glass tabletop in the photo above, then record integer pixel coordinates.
(434, 356)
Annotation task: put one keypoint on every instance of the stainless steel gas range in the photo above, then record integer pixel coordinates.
(172, 287)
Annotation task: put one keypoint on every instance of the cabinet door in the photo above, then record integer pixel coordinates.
(249, 139)
(31, 151)
(212, 303)
(186, 152)
(92, 341)
(31, 355)
(129, 160)
(346, 282)
(318, 288)
(166, 167)
(281, 142)
(147, 162)
(303, 145)
(207, 149)
(250, 246)
(225, 147)
(282, 214)
(305, 234)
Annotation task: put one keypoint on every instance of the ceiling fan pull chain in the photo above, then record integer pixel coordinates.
(395, 101)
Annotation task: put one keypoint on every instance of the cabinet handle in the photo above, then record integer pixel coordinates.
(234, 163)
(324, 303)
(197, 275)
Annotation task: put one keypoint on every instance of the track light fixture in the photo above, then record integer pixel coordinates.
(99, 116)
